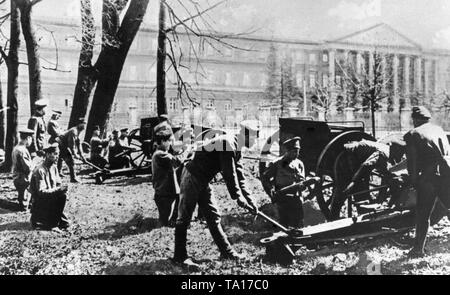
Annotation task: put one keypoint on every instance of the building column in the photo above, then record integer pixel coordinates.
(371, 65)
(383, 71)
(359, 62)
(427, 68)
(396, 98)
(406, 78)
(331, 67)
(436, 77)
(418, 75)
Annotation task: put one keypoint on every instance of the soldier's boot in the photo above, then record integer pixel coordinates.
(221, 240)
(59, 167)
(21, 199)
(73, 177)
(180, 252)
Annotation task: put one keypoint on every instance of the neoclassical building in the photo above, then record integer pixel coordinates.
(229, 83)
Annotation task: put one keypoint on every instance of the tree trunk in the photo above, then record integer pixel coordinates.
(161, 62)
(372, 115)
(13, 74)
(110, 64)
(86, 72)
(34, 67)
(2, 119)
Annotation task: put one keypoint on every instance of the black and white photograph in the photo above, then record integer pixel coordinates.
(218, 138)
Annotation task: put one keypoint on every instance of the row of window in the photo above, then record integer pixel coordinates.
(173, 104)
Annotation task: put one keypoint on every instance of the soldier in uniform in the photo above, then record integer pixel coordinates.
(22, 166)
(53, 128)
(37, 124)
(48, 193)
(220, 154)
(118, 147)
(356, 163)
(98, 146)
(70, 146)
(282, 173)
(426, 146)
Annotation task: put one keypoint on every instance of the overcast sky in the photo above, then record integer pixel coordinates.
(426, 22)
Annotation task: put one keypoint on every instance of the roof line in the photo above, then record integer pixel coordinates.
(373, 27)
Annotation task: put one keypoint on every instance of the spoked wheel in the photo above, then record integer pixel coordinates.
(330, 186)
(141, 155)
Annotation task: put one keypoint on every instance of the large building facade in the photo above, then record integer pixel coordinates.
(229, 83)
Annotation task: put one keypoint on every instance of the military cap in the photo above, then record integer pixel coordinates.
(124, 130)
(51, 148)
(41, 103)
(421, 112)
(251, 125)
(115, 131)
(57, 112)
(163, 127)
(26, 131)
(292, 143)
(163, 132)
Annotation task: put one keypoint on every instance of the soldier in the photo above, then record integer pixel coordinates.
(220, 154)
(98, 146)
(356, 163)
(118, 148)
(70, 146)
(53, 128)
(22, 166)
(426, 146)
(48, 194)
(164, 177)
(282, 173)
(37, 124)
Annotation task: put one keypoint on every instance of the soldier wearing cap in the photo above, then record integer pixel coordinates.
(22, 165)
(282, 173)
(70, 146)
(98, 146)
(53, 127)
(37, 124)
(221, 154)
(426, 147)
(118, 150)
(48, 193)
(355, 164)
(164, 176)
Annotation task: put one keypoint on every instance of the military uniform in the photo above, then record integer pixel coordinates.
(22, 168)
(97, 147)
(69, 144)
(221, 154)
(37, 124)
(427, 145)
(53, 129)
(49, 197)
(281, 174)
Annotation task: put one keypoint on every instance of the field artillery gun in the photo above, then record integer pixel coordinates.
(322, 146)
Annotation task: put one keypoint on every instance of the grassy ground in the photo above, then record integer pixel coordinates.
(115, 231)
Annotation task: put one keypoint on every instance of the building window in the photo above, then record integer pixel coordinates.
(172, 104)
(325, 57)
(312, 58)
(312, 79)
(153, 106)
(228, 106)
(210, 103)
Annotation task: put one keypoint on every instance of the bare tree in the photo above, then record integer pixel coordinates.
(115, 46)
(12, 62)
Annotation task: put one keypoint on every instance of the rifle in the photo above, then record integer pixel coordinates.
(299, 185)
